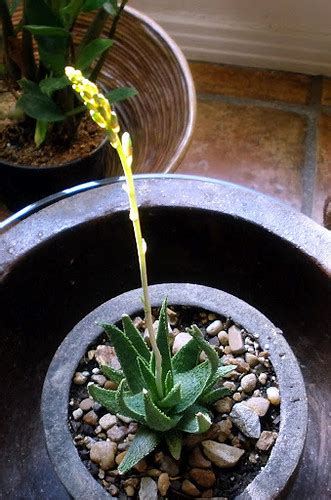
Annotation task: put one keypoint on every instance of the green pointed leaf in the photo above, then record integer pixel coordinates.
(92, 51)
(224, 370)
(214, 395)
(148, 378)
(40, 106)
(136, 403)
(51, 84)
(192, 384)
(163, 342)
(195, 420)
(54, 31)
(187, 357)
(174, 441)
(136, 338)
(169, 382)
(127, 355)
(127, 407)
(155, 418)
(104, 397)
(172, 398)
(120, 94)
(220, 373)
(112, 374)
(206, 347)
(145, 441)
(40, 132)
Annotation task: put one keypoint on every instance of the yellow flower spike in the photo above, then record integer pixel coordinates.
(102, 114)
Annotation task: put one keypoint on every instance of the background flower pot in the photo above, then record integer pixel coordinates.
(61, 263)
(160, 118)
(21, 185)
(286, 453)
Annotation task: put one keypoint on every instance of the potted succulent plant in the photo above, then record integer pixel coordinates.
(47, 143)
(167, 393)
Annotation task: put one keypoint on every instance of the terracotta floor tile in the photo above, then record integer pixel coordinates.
(260, 148)
(323, 176)
(326, 92)
(251, 83)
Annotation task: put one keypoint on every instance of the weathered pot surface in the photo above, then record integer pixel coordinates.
(284, 458)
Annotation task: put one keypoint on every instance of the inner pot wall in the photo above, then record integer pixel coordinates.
(283, 459)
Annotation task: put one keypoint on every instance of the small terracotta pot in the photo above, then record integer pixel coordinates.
(284, 458)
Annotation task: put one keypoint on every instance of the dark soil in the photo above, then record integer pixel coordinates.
(17, 144)
(230, 482)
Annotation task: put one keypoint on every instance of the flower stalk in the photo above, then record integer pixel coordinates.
(102, 113)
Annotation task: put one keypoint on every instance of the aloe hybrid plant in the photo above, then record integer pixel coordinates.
(168, 395)
(39, 47)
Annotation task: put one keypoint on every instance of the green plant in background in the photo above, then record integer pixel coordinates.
(166, 394)
(46, 97)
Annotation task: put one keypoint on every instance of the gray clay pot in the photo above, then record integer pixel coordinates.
(271, 482)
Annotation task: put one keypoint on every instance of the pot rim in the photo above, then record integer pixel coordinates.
(275, 476)
(82, 203)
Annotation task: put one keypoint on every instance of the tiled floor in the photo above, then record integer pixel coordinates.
(268, 130)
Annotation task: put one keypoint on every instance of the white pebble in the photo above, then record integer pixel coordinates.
(96, 371)
(214, 327)
(77, 414)
(273, 395)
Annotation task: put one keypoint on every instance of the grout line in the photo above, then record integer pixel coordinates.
(300, 109)
(310, 163)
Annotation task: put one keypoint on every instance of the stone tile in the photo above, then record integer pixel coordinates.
(326, 92)
(259, 148)
(251, 83)
(323, 174)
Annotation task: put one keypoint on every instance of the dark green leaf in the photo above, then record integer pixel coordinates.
(104, 397)
(127, 409)
(127, 355)
(172, 398)
(155, 418)
(71, 11)
(192, 384)
(109, 5)
(148, 378)
(40, 107)
(174, 441)
(187, 357)
(214, 395)
(53, 50)
(51, 84)
(29, 87)
(91, 51)
(145, 441)
(121, 94)
(112, 374)
(163, 342)
(47, 30)
(195, 420)
(136, 338)
(38, 12)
